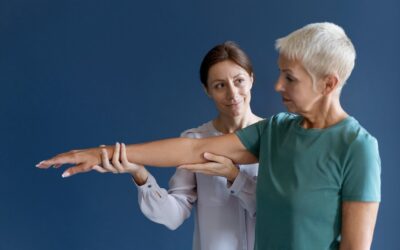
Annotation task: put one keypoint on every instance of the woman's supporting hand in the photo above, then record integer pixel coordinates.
(217, 166)
(119, 164)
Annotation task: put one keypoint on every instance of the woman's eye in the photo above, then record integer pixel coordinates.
(289, 79)
(240, 81)
(219, 85)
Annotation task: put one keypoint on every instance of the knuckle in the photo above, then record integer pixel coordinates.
(228, 161)
(113, 160)
(108, 167)
(115, 164)
(74, 156)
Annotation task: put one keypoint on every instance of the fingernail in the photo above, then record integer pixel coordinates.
(39, 164)
(65, 174)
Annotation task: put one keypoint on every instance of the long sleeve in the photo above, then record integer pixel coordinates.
(225, 212)
(172, 207)
(244, 188)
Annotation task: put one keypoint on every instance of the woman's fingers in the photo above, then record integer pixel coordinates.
(65, 158)
(57, 165)
(117, 158)
(217, 158)
(105, 162)
(124, 158)
(201, 167)
(215, 168)
(80, 168)
(99, 169)
(116, 166)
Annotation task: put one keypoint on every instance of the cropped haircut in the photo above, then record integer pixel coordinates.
(322, 48)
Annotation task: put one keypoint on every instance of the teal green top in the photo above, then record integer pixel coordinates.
(305, 175)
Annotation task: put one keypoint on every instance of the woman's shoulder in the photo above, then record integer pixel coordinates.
(205, 130)
(278, 122)
(282, 119)
(357, 135)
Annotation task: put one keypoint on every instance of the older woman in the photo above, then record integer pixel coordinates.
(319, 177)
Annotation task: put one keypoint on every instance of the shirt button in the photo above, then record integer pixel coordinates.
(232, 192)
(149, 186)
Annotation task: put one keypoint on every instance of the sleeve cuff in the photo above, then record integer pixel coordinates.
(150, 183)
(237, 184)
(151, 189)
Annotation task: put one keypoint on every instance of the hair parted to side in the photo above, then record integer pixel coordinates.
(226, 51)
(322, 48)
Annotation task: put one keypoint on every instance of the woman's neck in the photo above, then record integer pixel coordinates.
(324, 115)
(229, 124)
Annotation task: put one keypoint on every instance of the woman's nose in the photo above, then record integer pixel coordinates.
(232, 92)
(279, 86)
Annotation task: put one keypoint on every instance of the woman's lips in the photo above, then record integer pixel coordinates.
(234, 105)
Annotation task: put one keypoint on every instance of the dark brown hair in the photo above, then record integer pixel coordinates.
(226, 51)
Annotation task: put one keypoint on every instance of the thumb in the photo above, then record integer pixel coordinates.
(214, 157)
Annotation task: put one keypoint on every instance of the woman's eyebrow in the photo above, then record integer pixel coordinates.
(240, 74)
(286, 70)
(216, 80)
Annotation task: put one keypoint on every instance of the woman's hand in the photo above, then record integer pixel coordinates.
(119, 164)
(84, 160)
(217, 166)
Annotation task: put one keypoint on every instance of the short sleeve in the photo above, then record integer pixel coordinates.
(250, 137)
(362, 172)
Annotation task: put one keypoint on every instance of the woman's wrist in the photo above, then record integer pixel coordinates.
(109, 149)
(233, 174)
(140, 176)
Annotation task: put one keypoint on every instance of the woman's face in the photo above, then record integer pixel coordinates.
(296, 87)
(229, 86)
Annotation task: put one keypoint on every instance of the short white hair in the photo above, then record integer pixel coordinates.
(322, 48)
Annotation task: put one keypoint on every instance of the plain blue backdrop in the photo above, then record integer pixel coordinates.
(79, 73)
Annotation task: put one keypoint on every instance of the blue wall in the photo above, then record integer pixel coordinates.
(79, 73)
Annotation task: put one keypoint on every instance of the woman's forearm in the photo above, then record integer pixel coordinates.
(180, 151)
(166, 153)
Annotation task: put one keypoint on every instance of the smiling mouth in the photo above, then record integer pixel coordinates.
(234, 104)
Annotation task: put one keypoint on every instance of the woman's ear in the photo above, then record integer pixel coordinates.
(331, 84)
(205, 88)
(251, 80)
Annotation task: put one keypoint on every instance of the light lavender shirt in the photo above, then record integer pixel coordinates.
(224, 214)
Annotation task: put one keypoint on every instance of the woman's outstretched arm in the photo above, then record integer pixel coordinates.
(162, 153)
